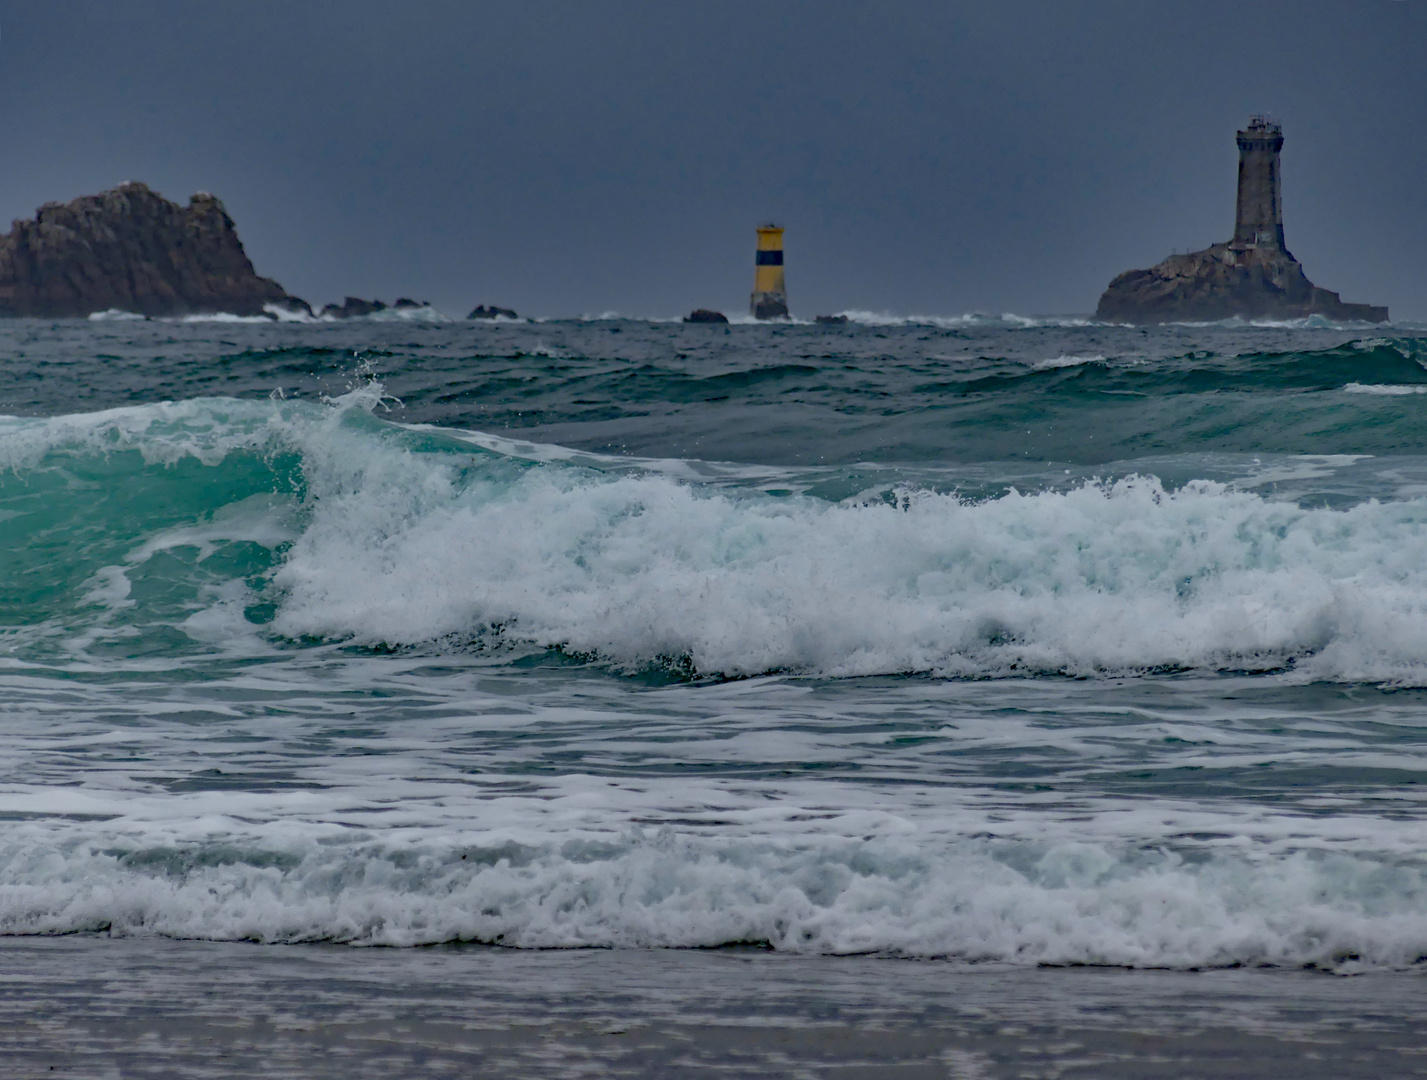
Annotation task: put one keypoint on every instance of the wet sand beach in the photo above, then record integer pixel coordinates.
(96, 1007)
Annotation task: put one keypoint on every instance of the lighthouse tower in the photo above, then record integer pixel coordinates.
(770, 296)
(1258, 222)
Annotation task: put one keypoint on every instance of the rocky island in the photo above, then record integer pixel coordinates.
(1251, 276)
(481, 311)
(131, 249)
(353, 307)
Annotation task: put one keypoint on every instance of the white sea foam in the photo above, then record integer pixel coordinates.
(1102, 579)
(289, 314)
(222, 317)
(274, 312)
(424, 313)
(1384, 389)
(1067, 361)
(198, 866)
(1006, 320)
(743, 318)
(1307, 322)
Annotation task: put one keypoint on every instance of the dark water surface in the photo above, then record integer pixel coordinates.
(898, 649)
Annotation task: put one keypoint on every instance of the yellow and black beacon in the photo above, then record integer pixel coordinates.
(770, 296)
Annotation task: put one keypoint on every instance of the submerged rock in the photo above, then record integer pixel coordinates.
(130, 249)
(704, 315)
(483, 312)
(831, 320)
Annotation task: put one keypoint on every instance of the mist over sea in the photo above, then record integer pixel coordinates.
(985, 641)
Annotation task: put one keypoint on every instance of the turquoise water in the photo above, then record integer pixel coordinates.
(1029, 641)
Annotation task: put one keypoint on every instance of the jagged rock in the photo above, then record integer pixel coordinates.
(407, 302)
(1221, 282)
(831, 320)
(351, 307)
(704, 315)
(130, 249)
(483, 312)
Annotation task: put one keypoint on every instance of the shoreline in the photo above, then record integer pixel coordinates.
(92, 1006)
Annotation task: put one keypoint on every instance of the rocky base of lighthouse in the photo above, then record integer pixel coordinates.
(769, 306)
(1224, 281)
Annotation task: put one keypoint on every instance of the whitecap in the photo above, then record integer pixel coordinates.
(1067, 361)
(1385, 389)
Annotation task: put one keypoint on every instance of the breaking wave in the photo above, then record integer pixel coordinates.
(358, 530)
(971, 900)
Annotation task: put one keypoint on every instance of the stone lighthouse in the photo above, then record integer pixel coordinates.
(1253, 276)
(1258, 220)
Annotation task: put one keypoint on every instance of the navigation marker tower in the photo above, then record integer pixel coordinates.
(770, 296)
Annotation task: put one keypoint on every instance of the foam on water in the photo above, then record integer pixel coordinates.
(403, 862)
(1383, 390)
(1104, 579)
(408, 537)
(1068, 361)
(274, 313)
(513, 876)
(424, 313)
(1006, 320)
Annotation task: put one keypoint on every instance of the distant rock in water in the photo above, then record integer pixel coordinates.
(351, 307)
(483, 312)
(831, 320)
(704, 315)
(130, 249)
(1221, 282)
(1251, 276)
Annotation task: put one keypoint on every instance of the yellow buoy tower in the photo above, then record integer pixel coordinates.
(770, 296)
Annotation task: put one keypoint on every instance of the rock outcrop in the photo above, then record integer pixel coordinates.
(131, 249)
(831, 320)
(1221, 282)
(351, 307)
(492, 312)
(704, 315)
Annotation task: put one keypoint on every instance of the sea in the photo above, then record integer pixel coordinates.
(540, 698)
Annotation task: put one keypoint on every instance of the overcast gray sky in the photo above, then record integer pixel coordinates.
(580, 157)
